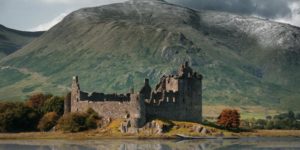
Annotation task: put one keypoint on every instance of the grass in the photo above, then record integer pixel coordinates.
(247, 112)
(112, 132)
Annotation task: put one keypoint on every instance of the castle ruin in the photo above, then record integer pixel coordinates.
(175, 97)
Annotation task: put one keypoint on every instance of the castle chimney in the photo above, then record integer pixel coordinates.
(146, 81)
(75, 79)
(132, 90)
(186, 64)
(75, 83)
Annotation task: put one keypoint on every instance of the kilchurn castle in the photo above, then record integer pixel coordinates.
(175, 97)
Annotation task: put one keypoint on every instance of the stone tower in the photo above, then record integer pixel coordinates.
(190, 92)
(177, 97)
(67, 103)
(138, 110)
(75, 93)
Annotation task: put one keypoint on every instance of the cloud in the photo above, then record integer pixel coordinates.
(286, 11)
(57, 1)
(84, 2)
(294, 19)
(264, 8)
(48, 25)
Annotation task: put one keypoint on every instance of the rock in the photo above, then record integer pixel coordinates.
(125, 126)
(198, 128)
(206, 131)
(159, 129)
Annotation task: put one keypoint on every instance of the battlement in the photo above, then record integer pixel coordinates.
(101, 97)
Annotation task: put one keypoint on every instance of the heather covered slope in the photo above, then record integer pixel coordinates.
(244, 60)
(12, 40)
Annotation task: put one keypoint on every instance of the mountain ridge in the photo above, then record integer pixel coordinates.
(11, 40)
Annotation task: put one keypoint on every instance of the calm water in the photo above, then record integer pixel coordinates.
(250, 143)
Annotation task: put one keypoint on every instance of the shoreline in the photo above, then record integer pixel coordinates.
(94, 135)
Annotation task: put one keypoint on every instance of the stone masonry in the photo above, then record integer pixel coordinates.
(175, 97)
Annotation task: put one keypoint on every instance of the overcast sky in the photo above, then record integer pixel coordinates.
(36, 15)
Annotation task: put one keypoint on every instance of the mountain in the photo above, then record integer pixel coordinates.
(12, 40)
(245, 61)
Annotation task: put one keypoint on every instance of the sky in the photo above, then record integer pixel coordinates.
(38, 15)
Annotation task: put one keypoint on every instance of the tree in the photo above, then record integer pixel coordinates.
(48, 121)
(270, 124)
(298, 116)
(54, 104)
(268, 117)
(37, 100)
(235, 116)
(291, 115)
(16, 117)
(229, 118)
(260, 124)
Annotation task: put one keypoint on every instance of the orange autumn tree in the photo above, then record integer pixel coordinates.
(229, 118)
(37, 100)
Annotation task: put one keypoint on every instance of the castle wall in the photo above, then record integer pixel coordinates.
(108, 109)
(109, 105)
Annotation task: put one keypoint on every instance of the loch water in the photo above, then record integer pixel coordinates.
(287, 143)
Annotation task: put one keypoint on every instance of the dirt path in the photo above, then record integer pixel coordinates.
(35, 75)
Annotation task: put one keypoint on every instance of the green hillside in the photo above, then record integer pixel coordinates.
(12, 40)
(244, 60)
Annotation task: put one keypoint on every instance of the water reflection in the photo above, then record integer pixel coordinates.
(246, 143)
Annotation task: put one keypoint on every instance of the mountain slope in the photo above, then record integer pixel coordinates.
(12, 40)
(244, 60)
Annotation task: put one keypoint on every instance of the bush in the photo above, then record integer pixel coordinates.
(75, 122)
(72, 122)
(229, 118)
(91, 121)
(17, 117)
(54, 104)
(298, 116)
(48, 121)
(281, 121)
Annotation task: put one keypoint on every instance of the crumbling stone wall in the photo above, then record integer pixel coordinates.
(109, 105)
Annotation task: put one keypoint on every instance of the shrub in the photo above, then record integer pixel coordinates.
(54, 104)
(48, 121)
(75, 122)
(281, 121)
(291, 115)
(91, 121)
(16, 117)
(260, 124)
(229, 118)
(72, 122)
(298, 116)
